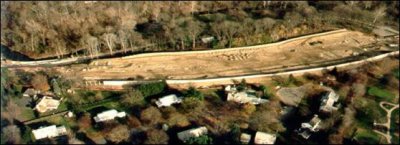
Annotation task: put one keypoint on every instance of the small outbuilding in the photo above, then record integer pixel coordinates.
(264, 138)
(245, 138)
(168, 100)
(195, 132)
(108, 115)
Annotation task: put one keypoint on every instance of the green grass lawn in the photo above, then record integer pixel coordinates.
(394, 127)
(396, 73)
(381, 94)
(27, 114)
(364, 136)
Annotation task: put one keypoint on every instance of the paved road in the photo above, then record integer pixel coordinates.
(388, 117)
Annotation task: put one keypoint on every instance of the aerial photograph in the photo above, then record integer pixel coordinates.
(200, 72)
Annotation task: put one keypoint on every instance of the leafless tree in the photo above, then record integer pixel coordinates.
(109, 39)
(379, 13)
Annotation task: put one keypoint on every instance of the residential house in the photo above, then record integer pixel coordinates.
(264, 138)
(47, 104)
(49, 132)
(246, 96)
(328, 101)
(195, 132)
(168, 100)
(312, 126)
(245, 138)
(108, 115)
(31, 93)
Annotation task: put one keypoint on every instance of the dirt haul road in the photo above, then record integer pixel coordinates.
(297, 52)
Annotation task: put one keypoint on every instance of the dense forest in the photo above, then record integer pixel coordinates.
(48, 29)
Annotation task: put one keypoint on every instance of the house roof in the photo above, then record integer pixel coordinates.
(313, 125)
(46, 104)
(244, 97)
(48, 132)
(168, 100)
(264, 138)
(328, 100)
(30, 92)
(108, 115)
(245, 138)
(195, 132)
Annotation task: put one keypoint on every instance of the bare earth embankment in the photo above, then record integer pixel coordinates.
(229, 62)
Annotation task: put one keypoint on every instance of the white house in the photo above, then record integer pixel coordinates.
(168, 100)
(49, 132)
(313, 125)
(328, 101)
(245, 138)
(264, 138)
(108, 115)
(31, 93)
(46, 104)
(243, 96)
(195, 132)
(307, 127)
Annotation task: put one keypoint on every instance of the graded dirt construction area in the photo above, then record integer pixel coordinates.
(293, 53)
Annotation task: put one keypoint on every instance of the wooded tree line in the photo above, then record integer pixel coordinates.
(40, 29)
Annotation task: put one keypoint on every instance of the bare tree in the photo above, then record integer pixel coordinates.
(12, 134)
(194, 28)
(151, 115)
(109, 39)
(379, 13)
(156, 137)
(118, 134)
(40, 82)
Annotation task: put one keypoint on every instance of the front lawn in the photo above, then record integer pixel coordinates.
(367, 137)
(381, 94)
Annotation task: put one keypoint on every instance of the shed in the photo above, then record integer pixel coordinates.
(195, 132)
(264, 138)
(109, 115)
(168, 100)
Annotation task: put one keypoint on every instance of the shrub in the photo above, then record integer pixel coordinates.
(151, 115)
(192, 92)
(39, 82)
(133, 98)
(192, 105)
(133, 121)
(152, 88)
(179, 120)
(156, 137)
(118, 134)
(85, 121)
(203, 139)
